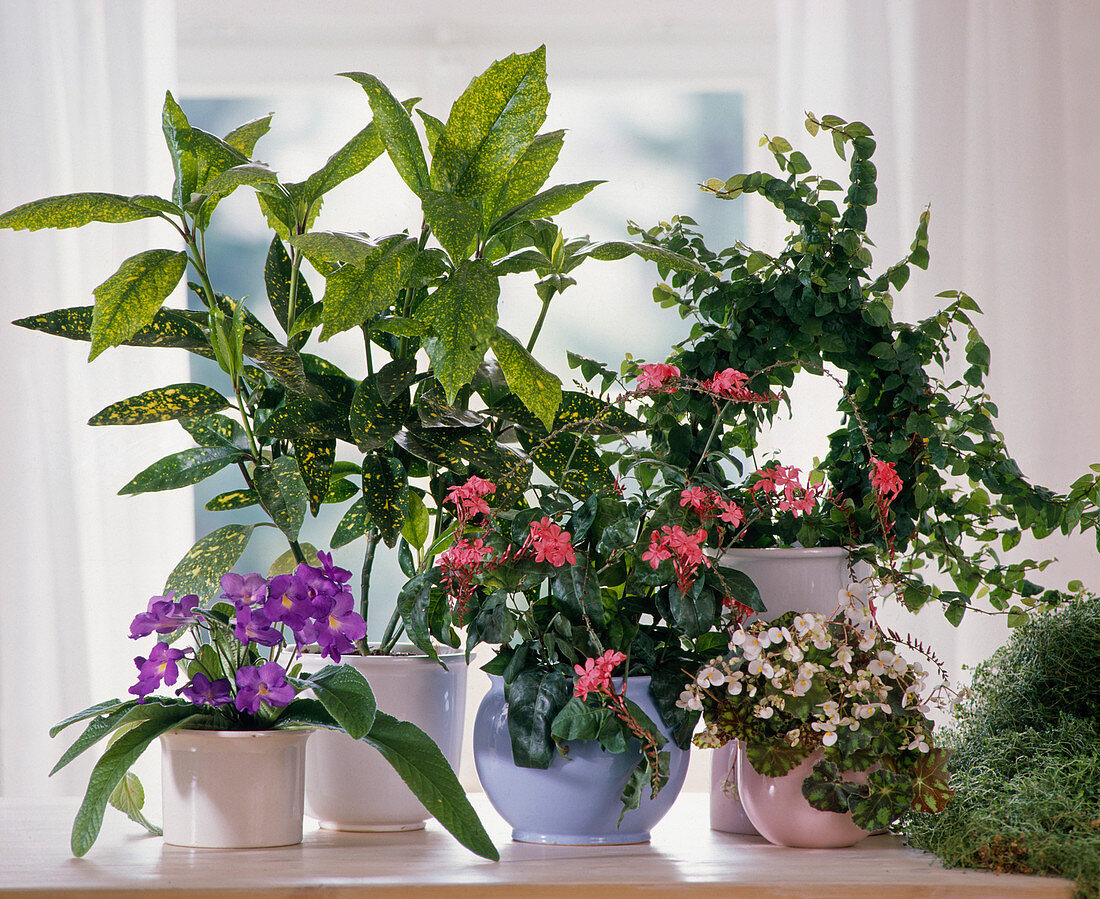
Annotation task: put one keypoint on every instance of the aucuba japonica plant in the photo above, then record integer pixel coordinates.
(907, 400)
(804, 683)
(240, 673)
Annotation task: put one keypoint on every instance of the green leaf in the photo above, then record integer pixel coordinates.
(694, 612)
(249, 173)
(374, 421)
(315, 460)
(528, 174)
(594, 416)
(570, 461)
(243, 138)
(346, 695)
(385, 494)
(415, 603)
(100, 708)
(432, 129)
(232, 499)
(544, 205)
(739, 586)
(117, 714)
(112, 767)
(463, 315)
(538, 388)
(353, 294)
(450, 446)
(175, 127)
(426, 772)
(183, 469)
(282, 493)
(349, 160)
(336, 247)
(278, 272)
(491, 125)
(170, 328)
(199, 572)
(401, 327)
(396, 129)
(163, 404)
(128, 300)
(620, 249)
(129, 798)
(453, 221)
(577, 588)
(282, 363)
(394, 378)
(534, 699)
(73, 211)
(215, 430)
(287, 562)
(417, 522)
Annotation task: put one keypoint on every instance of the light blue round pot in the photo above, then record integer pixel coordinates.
(575, 800)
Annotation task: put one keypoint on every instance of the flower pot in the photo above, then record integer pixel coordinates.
(781, 814)
(233, 789)
(789, 579)
(575, 800)
(349, 785)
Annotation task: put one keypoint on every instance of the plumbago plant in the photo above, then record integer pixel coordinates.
(241, 673)
(424, 302)
(907, 401)
(807, 683)
(587, 579)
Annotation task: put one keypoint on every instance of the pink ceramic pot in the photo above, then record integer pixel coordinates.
(781, 814)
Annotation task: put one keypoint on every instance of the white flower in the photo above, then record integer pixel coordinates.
(844, 658)
(710, 677)
(821, 639)
(867, 642)
(919, 744)
(737, 638)
(900, 666)
(802, 685)
(734, 685)
(752, 647)
(793, 652)
(827, 730)
(794, 737)
(776, 635)
(690, 700)
(831, 710)
(876, 667)
(764, 711)
(803, 624)
(761, 666)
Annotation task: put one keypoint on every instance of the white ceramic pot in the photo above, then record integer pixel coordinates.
(789, 580)
(233, 789)
(349, 785)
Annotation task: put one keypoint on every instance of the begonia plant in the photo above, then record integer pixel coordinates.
(241, 673)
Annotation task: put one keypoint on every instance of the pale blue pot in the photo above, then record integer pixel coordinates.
(575, 800)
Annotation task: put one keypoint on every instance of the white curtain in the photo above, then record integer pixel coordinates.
(989, 112)
(81, 86)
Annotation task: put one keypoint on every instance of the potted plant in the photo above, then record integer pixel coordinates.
(234, 733)
(424, 301)
(833, 739)
(598, 593)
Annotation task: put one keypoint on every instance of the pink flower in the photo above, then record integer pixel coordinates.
(685, 550)
(783, 481)
(467, 498)
(885, 479)
(654, 375)
(595, 675)
(730, 384)
(459, 566)
(731, 512)
(699, 499)
(551, 543)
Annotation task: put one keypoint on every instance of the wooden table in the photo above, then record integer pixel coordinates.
(684, 859)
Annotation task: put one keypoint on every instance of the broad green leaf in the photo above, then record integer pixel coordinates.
(174, 328)
(278, 272)
(307, 319)
(129, 798)
(463, 316)
(287, 563)
(215, 430)
(400, 327)
(577, 588)
(352, 526)
(579, 721)
(353, 294)
(282, 493)
(491, 125)
(315, 461)
(694, 612)
(99, 727)
(450, 446)
(73, 211)
(417, 522)
(243, 138)
(434, 411)
(572, 462)
(432, 129)
(175, 126)
(163, 404)
(373, 421)
(199, 572)
(426, 772)
(283, 364)
(128, 300)
(112, 767)
(528, 174)
(213, 156)
(538, 388)
(250, 173)
(336, 247)
(232, 499)
(620, 249)
(349, 160)
(183, 469)
(100, 708)
(594, 416)
(385, 494)
(534, 699)
(414, 602)
(347, 696)
(453, 221)
(397, 132)
(394, 378)
(544, 205)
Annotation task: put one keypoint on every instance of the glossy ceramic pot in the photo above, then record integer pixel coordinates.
(233, 789)
(349, 785)
(781, 814)
(575, 800)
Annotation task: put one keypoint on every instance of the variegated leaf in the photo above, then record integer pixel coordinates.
(73, 211)
(354, 524)
(215, 430)
(243, 138)
(528, 174)
(315, 461)
(356, 293)
(232, 499)
(385, 494)
(128, 300)
(454, 222)
(200, 571)
(373, 422)
(278, 272)
(396, 129)
(450, 446)
(538, 388)
(183, 469)
(283, 494)
(570, 461)
(163, 404)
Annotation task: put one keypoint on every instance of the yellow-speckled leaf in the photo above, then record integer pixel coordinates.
(350, 159)
(528, 174)
(183, 469)
(401, 327)
(353, 525)
(283, 494)
(315, 460)
(175, 328)
(396, 129)
(243, 138)
(385, 495)
(288, 563)
(491, 125)
(373, 422)
(232, 499)
(594, 416)
(200, 571)
(453, 221)
(356, 293)
(450, 446)
(163, 404)
(544, 205)
(282, 363)
(538, 388)
(570, 461)
(128, 300)
(73, 211)
(463, 316)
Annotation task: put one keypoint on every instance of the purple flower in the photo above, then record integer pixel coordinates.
(289, 602)
(266, 683)
(338, 625)
(249, 589)
(164, 615)
(160, 666)
(319, 588)
(202, 691)
(332, 572)
(254, 626)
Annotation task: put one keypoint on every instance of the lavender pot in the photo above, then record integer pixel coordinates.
(575, 801)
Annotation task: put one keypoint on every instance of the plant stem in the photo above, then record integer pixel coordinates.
(710, 436)
(364, 583)
(541, 319)
(394, 630)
